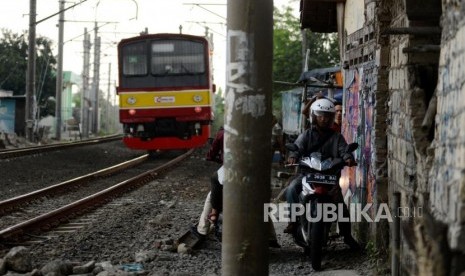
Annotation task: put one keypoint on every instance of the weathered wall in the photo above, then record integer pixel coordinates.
(426, 162)
(404, 103)
(395, 74)
(407, 108)
(353, 14)
(365, 101)
(447, 177)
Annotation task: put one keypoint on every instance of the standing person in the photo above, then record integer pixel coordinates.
(215, 154)
(338, 117)
(320, 138)
(308, 104)
(216, 198)
(277, 139)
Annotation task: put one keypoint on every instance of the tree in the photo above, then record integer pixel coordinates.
(219, 110)
(13, 62)
(45, 72)
(287, 57)
(287, 47)
(13, 66)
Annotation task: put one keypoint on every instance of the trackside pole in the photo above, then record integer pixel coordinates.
(30, 76)
(247, 156)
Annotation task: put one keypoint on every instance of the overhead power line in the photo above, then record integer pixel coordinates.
(48, 17)
(200, 6)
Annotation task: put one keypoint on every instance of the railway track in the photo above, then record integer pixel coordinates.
(27, 215)
(11, 153)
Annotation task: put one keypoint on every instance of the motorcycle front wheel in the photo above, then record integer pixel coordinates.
(316, 247)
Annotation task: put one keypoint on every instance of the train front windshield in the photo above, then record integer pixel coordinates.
(176, 57)
(167, 62)
(135, 59)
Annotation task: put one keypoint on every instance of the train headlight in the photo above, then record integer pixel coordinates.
(197, 98)
(132, 111)
(198, 109)
(131, 100)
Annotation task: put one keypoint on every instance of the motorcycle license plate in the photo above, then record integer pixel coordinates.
(321, 178)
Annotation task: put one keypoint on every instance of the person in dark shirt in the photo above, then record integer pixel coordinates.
(216, 195)
(320, 137)
(338, 117)
(277, 143)
(214, 154)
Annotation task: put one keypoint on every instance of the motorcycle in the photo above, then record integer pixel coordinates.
(319, 180)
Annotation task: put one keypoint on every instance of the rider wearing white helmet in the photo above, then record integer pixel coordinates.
(322, 113)
(320, 138)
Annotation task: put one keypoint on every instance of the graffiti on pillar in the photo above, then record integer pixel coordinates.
(239, 62)
(359, 182)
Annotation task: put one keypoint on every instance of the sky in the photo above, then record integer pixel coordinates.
(118, 19)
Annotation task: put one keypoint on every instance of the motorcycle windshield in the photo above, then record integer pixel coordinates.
(315, 162)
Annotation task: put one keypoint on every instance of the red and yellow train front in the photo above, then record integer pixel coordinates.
(166, 119)
(165, 91)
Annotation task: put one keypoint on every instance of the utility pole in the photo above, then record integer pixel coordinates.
(95, 82)
(247, 145)
(31, 69)
(305, 53)
(85, 86)
(31, 66)
(107, 108)
(59, 83)
(210, 56)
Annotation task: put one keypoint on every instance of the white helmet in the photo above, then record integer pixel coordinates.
(322, 106)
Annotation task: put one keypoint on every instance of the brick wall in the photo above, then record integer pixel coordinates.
(365, 97)
(428, 173)
(447, 177)
(400, 77)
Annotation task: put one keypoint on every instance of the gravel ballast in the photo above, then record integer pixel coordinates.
(142, 227)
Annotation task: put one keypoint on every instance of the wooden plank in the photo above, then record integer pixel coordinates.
(413, 31)
(422, 49)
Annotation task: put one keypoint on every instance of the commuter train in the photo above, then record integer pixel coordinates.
(165, 91)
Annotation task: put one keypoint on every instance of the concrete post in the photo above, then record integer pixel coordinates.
(59, 81)
(85, 87)
(107, 104)
(30, 76)
(247, 158)
(95, 83)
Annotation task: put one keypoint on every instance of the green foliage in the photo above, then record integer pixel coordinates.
(45, 70)
(288, 56)
(287, 49)
(13, 62)
(324, 50)
(77, 99)
(219, 111)
(13, 66)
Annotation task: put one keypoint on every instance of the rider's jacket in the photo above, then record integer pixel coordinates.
(329, 144)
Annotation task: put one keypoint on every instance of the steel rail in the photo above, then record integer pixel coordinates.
(53, 218)
(9, 153)
(15, 202)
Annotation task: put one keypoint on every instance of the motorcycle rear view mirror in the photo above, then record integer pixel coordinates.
(351, 147)
(292, 147)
